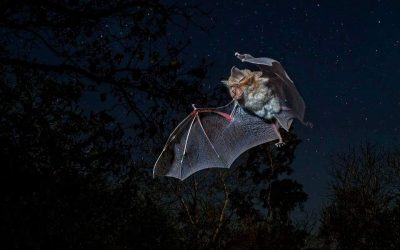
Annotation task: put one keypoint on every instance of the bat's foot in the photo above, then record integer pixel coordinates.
(280, 144)
(309, 124)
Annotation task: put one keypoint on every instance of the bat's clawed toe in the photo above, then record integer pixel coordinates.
(280, 144)
(309, 124)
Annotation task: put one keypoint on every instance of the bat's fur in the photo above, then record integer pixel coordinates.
(257, 96)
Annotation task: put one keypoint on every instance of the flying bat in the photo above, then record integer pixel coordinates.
(262, 102)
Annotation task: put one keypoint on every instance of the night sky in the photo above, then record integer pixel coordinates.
(343, 57)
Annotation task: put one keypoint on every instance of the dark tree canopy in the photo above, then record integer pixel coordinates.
(89, 92)
(363, 212)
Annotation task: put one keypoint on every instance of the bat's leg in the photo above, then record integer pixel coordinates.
(280, 143)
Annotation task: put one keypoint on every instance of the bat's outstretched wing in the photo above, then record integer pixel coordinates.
(282, 83)
(208, 139)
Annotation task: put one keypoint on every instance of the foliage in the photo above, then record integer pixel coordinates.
(248, 206)
(363, 211)
(89, 92)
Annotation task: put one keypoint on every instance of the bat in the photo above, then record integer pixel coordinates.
(292, 104)
(263, 101)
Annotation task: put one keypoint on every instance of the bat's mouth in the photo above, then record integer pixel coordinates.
(236, 92)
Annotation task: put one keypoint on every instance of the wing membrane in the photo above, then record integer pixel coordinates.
(208, 140)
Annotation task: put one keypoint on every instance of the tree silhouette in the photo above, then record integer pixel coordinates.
(363, 210)
(72, 172)
(90, 90)
(246, 207)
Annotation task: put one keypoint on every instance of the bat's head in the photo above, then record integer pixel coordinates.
(239, 80)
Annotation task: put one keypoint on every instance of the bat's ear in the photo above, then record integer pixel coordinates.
(235, 72)
(236, 76)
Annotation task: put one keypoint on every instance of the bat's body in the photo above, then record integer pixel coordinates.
(256, 95)
(262, 102)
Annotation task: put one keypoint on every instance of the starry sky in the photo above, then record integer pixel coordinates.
(343, 57)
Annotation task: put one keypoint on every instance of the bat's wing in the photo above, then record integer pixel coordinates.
(207, 139)
(284, 87)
